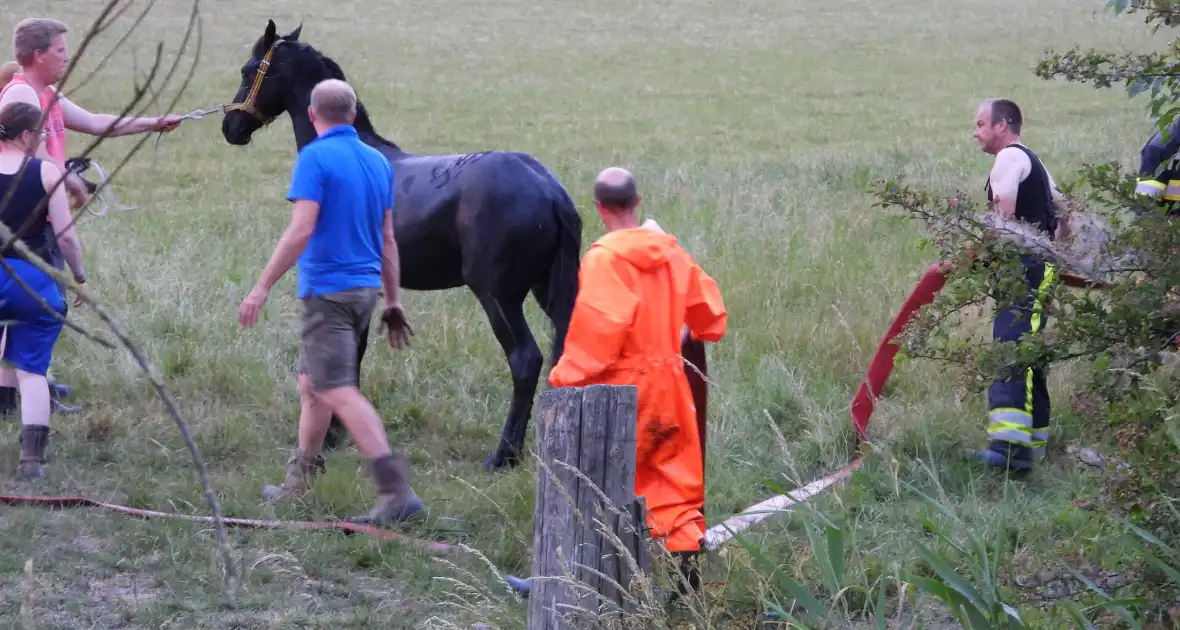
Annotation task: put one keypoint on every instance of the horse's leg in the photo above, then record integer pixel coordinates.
(337, 434)
(697, 368)
(559, 320)
(506, 314)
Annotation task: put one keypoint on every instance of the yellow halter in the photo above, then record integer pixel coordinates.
(247, 105)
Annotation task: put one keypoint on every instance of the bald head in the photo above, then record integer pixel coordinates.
(614, 190)
(333, 102)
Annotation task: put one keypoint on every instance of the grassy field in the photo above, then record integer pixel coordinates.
(754, 127)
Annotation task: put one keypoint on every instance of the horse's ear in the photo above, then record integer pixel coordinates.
(294, 35)
(269, 36)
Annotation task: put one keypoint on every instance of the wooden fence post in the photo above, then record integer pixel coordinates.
(585, 441)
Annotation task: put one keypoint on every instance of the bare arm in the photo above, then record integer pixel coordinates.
(291, 244)
(390, 272)
(78, 119)
(59, 214)
(1011, 167)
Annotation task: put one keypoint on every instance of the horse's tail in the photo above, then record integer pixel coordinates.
(563, 272)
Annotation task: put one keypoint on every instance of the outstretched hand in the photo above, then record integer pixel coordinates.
(167, 123)
(396, 326)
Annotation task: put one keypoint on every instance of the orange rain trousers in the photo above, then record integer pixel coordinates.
(638, 290)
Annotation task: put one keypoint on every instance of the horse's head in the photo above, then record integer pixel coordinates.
(269, 85)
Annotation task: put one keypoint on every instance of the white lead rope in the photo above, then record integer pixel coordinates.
(104, 189)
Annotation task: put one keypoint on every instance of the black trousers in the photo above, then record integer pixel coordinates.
(1018, 402)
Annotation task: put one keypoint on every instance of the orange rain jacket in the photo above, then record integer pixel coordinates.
(638, 289)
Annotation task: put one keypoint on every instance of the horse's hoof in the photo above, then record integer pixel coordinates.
(497, 462)
(335, 438)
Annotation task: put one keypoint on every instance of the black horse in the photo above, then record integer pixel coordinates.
(497, 222)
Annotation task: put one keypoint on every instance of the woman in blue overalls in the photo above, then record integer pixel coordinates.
(32, 329)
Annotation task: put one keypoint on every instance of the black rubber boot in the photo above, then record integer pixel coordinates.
(689, 580)
(33, 440)
(60, 407)
(55, 396)
(1014, 457)
(59, 390)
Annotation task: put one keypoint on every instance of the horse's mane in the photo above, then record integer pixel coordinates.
(362, 115)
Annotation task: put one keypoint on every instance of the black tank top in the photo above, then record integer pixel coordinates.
(19, 213)
(1034, 199)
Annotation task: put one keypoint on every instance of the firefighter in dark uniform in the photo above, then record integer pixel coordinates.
(1018, 186)
(1161, 149)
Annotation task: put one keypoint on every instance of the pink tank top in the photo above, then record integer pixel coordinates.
(55, 141)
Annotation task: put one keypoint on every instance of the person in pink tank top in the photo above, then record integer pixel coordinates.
(54, 132)
(42, 56)
(40, 48)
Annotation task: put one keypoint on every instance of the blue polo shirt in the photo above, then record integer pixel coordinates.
(353, 183)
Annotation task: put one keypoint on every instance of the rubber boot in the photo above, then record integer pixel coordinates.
(1000, 454)
(60, 407)
(396, 501)
(301, 470)
(59, 389)
(689, 581)
(55, 403)
(33, 440)
(8, 401)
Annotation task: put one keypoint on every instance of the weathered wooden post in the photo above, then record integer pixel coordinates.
(585, 441)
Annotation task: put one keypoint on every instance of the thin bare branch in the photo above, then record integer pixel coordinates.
(107, 16)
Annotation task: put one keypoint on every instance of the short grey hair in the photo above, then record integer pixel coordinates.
(333, 101)
(35, 35)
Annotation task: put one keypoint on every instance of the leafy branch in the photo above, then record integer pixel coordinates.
(108, 15)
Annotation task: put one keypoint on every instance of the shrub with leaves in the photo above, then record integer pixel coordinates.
(1123, 331)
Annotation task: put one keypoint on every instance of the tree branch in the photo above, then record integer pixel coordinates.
(9, 239)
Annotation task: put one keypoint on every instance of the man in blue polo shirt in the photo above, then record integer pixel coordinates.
(341, 231)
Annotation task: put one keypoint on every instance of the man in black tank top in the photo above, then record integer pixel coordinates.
(1018, 186)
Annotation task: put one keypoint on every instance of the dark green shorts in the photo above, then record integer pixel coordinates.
(333, 325)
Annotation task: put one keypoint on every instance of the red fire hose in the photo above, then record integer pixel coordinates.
(70, 502)
(861, 407)
(880, 368)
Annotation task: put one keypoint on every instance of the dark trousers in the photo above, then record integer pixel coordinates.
(1018, 402)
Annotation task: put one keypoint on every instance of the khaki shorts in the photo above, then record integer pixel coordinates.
(333, 325)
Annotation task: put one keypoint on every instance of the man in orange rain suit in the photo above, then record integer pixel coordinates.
(638, 290)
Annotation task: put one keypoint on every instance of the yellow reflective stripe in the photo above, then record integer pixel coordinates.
(1028, 392)
(1038, 303)
(1012, 414)
(1007, 425)
(1010, 425)
(1015, 437)
(1172, 192)
(1149, 188)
